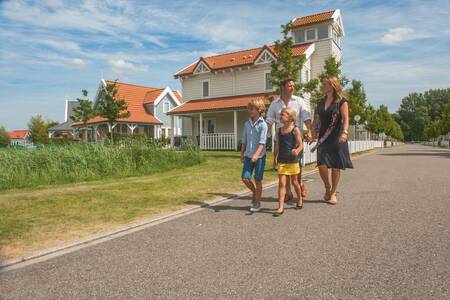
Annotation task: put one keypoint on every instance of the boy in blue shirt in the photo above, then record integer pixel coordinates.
(253, 150)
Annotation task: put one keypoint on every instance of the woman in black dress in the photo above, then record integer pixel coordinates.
(332, 153)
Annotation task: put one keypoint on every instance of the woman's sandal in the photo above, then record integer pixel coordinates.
(332, 200)
(278, 213)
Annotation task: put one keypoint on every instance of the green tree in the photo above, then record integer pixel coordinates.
(111, 108)
(83, 113)
(357, 99)
(286, 65)
(4, 137)
(331, 67)
(38, 128)
(444, 122)
(413, 112)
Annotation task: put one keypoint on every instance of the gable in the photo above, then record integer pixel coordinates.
(264, 58)
(201, 68)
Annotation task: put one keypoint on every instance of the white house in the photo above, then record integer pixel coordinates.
(216, 89)
(148, 107)
(20, 138)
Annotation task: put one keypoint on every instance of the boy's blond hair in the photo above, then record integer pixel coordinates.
(259, 104)
(291, 113)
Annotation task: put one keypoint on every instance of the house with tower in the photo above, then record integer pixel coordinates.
(216, 89)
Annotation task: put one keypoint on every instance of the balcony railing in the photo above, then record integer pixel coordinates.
(218, 141)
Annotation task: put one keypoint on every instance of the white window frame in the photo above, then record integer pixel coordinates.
(315, 34)
(209, 88)
(265, 82)
(205, 125)
(164, 106)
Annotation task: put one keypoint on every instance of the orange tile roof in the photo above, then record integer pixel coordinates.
(238, 58)
(178, 95)
(135, 97)
(18, 134)
(216, 104)
(315, 18)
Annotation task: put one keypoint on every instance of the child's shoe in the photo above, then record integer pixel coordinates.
(256, 206)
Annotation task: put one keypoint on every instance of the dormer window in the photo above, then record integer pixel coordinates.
(322, 32)
(311, 35)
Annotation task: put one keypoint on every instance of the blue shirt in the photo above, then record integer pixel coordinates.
(254, 134)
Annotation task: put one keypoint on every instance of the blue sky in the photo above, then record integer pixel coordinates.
(53, 49)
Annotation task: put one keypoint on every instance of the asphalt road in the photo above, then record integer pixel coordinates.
(388, 237)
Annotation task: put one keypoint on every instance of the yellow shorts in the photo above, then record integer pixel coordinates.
(289, 169)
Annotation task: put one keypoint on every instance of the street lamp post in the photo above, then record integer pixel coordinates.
(356, 118)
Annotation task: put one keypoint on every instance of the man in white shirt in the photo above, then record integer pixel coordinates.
(288, 99)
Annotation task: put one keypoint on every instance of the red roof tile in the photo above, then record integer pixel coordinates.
(216, 104)
(236, 59)
(315, 18)
(18, 134)
(135, 97)
(177, 94)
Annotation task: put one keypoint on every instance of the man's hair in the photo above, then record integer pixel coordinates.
(259, 104)
(286, 80)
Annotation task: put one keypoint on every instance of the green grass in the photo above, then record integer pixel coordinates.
(34, 218)
(76, 163)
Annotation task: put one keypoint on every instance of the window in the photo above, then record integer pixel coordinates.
(205, 88)
(307, 75)
(300, 36)
(311, 34)
(166, 106)
(267, 84)
(322, 32)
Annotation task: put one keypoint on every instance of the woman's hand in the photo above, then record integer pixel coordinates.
(296, 151)
(343, 138)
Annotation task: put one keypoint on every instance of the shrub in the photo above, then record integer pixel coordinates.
(82, 162)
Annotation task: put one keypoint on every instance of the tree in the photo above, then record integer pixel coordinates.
(38, 128)
(286, 66)
(111, 108)
(357, 101)
(331, 67)
(4, 137)
(83, 113)
(413, 112)
(444, 122)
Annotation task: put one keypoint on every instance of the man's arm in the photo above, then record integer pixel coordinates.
(306, 117)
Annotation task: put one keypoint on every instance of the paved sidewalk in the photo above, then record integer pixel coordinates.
(389, 237)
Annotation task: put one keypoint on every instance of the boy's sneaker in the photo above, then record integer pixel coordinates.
(256, 206)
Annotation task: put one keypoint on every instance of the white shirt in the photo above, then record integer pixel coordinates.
(296, 103)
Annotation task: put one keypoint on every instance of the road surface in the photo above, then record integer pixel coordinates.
(388, 237)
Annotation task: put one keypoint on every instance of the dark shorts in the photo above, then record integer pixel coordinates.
(257, 167)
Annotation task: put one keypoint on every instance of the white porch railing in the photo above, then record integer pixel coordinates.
(218, 141)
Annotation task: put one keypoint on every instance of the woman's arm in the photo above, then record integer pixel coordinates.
(298, 137)
(345, 122)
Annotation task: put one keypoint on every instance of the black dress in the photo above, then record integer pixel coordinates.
(332, 153)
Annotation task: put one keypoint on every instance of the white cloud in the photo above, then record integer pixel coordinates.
(398, 35)
(120, 65)
(78, 61)
(60, 45)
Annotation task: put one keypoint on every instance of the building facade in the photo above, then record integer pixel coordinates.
(216, 89)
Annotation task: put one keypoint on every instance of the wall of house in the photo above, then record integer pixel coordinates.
(164, 118)
(322, 52)
(238, 82)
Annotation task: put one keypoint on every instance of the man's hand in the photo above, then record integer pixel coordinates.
(309, 137)
(255, 158)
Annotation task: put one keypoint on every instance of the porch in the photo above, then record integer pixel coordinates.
(214, 130)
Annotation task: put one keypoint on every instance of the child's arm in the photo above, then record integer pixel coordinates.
(243, 148)
(298, 137)
(262, 142)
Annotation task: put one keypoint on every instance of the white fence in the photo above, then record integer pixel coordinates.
(353, 147)
(218, 141)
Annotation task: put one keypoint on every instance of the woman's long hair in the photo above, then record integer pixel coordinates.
(336, 85)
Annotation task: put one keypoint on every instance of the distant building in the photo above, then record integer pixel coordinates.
(148, 107)
(65, 129)
(20, 138)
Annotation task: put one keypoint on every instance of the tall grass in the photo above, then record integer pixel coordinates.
(74, 163)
